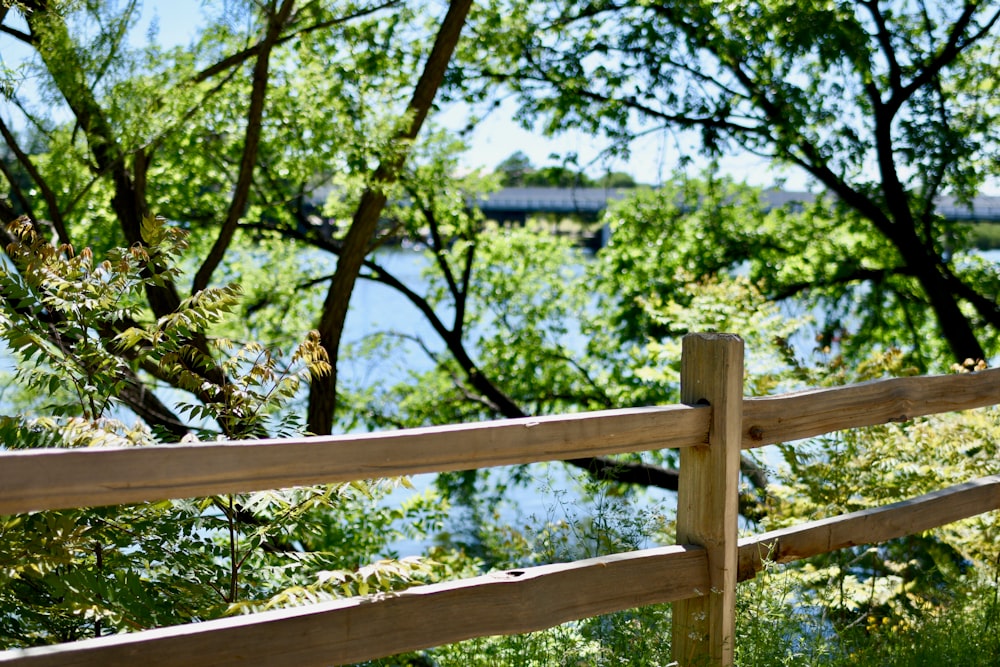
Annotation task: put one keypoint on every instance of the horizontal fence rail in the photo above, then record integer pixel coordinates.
(805, 414)
(509, 602)
(869, 526)
(46, 479)
(356, 629)
(35, 480)
(344, 631)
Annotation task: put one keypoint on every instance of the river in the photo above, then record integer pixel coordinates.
(551, 492)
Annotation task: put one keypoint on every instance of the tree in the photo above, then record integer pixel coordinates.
(222, 136)
(85, 572)
(231, 141)
(888, 106)
(561, 333)
(558, 177)
(616, 179)
(357, 242)
(517, 171)
(237, 160)
(514, 168)
(551, 335)
(230, 137)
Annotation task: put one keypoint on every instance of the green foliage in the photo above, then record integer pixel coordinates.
(525, 323)
(598, 522)
(964, 633)
(69, 574)
(633, 638)
(59, 307)
(530, 306)
(776, 628)
(514, 168)
(984, 235)
(872, 467)
(810, 257)
(517, 171)
(78, 573)
(565, 331)
(884, 105)
(628, 313)
(773, 630)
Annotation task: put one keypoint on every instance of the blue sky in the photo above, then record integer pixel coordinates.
(653, 158)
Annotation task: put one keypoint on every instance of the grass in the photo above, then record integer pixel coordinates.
(965, 631)
(965, 635)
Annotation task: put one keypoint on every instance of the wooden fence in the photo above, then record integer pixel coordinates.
(699, 575)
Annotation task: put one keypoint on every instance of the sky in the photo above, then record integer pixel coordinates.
(653, 157)
(497, 136)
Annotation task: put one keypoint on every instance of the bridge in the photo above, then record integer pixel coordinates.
(516, 205)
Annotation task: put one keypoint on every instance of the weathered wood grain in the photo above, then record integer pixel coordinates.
(55, 479)
(787, 417)
(357, 629)
(869, 526)
(704, 627)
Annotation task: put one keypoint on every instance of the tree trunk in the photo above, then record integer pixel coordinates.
(323, 392)
(954, 324)
(248, 161)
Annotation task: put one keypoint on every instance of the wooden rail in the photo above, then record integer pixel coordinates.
(699, 576)
(869, 526)
(352, 630)
(32, 480)
(805, 414)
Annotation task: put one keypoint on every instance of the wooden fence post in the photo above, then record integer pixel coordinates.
(708, 500)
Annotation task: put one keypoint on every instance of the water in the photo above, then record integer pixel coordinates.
(552, 492)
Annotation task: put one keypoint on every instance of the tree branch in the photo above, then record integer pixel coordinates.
(884, 36)
(841, 278)
(246, 54)
(951, 50)
(17, 34)
(127, 201)
(55, 215)
(251, 142)
(323, 391)
(602, 468)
